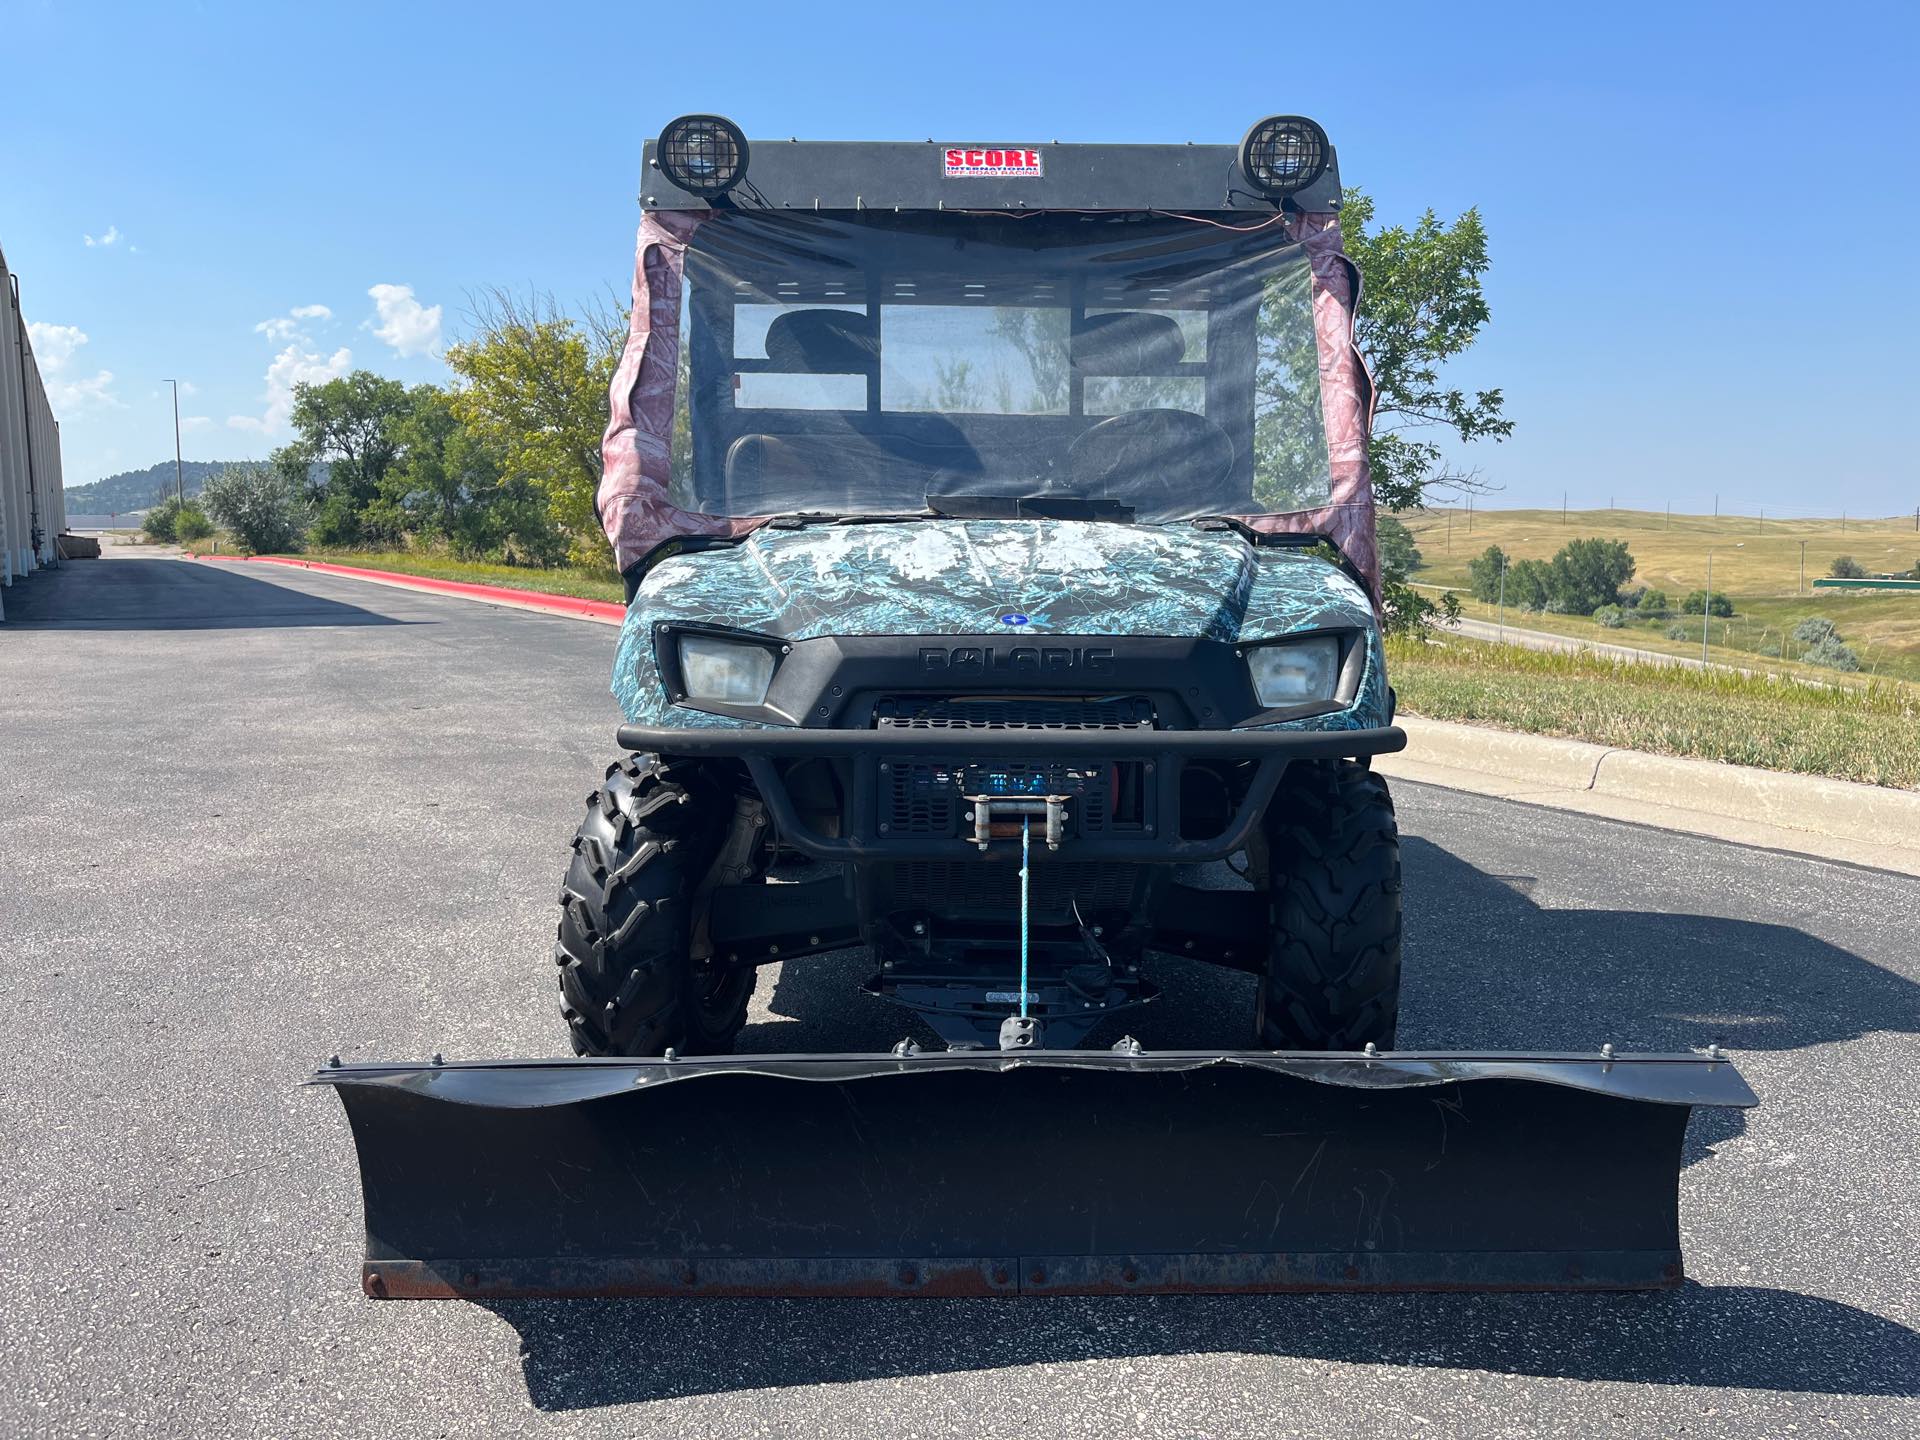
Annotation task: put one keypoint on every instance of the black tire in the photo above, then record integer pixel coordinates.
(1333, 869)
(628, 984)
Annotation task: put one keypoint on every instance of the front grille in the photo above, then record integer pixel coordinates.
(924, 797)
(1126, 712)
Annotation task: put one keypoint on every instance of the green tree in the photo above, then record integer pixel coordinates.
(448, 485)
(1421, 307)
(1845, 567)
(1530, 584)
(265, 506)
(440, 469)
(349, 425)
(1654, 603)
(1589, 573)
(1483, 574)
(534, 392)
(1399, 556)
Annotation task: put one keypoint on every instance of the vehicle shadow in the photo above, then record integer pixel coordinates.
(1488, 968)
(582, 1354)
(125, 593)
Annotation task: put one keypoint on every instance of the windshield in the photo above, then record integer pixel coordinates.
(878, 363)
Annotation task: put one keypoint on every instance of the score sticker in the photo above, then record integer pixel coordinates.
(993, 161)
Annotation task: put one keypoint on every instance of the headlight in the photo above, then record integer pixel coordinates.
(1295, 672)
(704, 155)
(725, 670)
(1284, 154)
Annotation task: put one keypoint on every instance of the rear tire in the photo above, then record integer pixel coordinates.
(1332, 980)
(628, 983)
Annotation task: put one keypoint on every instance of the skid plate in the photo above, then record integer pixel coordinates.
(981, 1173)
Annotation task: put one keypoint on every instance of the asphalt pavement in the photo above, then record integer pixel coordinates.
(249, 819)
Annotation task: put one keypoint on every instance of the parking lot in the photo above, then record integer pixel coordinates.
(250, 817)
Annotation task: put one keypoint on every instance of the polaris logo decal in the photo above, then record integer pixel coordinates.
(993, 161)
(1017, 660)
(1013, 617)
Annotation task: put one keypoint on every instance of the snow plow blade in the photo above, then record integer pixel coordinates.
(1064, 1172)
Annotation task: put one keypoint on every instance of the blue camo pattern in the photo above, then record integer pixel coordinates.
(959, 577)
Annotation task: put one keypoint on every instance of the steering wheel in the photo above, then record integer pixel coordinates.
(1186, 454)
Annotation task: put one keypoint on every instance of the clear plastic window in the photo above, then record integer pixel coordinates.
(975, 360)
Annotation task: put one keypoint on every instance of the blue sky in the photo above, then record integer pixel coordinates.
(1702, 217)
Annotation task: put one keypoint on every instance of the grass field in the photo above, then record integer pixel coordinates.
(1756, 563)
(560, 580)
(1868, 732)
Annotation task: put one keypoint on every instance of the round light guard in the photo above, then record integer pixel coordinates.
(704, 155)
(1284, 154)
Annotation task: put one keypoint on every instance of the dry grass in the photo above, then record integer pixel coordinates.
(1755, 562)
(1868, 731)
(1752, 556)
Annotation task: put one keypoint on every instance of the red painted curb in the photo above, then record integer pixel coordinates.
(568, 605)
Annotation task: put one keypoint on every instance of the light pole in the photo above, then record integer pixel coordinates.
(179, 485)
(1504, 562)
(1803, 567)
(1706, 608)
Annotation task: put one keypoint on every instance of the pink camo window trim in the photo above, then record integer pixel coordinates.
(635, 452)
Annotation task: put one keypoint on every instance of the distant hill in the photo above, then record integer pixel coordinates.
(137, 489)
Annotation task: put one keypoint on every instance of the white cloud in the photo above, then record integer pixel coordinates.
(95, 392)
(288, 326)
(292, 366)
(408, 326)
(54, 347)
(112, 237)
(194, 422)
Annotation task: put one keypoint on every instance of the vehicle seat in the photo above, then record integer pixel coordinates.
(1129, 342)
(822, 342)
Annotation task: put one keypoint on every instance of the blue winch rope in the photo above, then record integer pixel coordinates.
(1026, 831)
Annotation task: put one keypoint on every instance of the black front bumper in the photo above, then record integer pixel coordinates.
(761, 749)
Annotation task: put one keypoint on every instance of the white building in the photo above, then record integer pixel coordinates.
(33, 505)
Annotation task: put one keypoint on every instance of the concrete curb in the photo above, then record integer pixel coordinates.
(1864, 824)
(571, 606)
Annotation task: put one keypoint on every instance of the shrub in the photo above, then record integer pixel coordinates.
(1654, 603)
(1609, 617)
(1832, 654)
(1679, 631)
(1768, 647)
(1697, 602)
(1845, 567)
(264, 507)
(190, 523)
(158, 525)
(1814, 629)
(1630, 599)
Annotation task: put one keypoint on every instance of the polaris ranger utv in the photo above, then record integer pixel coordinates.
(999, 539)
(1034, 609)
